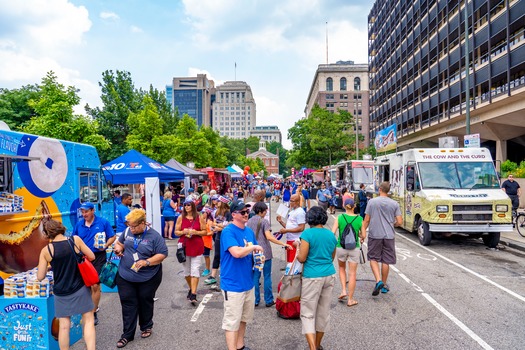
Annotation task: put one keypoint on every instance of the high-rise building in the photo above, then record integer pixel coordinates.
(169, 95)
(193, 96)
(418, 79)
(269, 133)
(234, 113)
(342, 85)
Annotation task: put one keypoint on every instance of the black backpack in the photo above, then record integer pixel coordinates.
(348, 236)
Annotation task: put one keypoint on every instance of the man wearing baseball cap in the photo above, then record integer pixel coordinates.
(238, 244)
(90, 228)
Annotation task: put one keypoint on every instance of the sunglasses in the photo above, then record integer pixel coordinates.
(243, 212)
(187, 205)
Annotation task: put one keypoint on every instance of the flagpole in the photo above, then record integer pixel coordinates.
(235, 71)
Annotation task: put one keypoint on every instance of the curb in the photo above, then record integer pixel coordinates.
(512, 244)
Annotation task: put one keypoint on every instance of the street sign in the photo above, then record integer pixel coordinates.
(472, 141)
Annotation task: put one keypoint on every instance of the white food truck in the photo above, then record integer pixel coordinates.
(447, 190)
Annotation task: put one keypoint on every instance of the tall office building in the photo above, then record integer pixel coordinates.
(342, 85)
(234, 113)
(169, 95)
(418, 76)
(193, 96)
(269, 133)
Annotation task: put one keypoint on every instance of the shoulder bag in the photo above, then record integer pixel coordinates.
(108, 273)
(86, 268)
(290, 285)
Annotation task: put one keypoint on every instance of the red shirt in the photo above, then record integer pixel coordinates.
(194, 245)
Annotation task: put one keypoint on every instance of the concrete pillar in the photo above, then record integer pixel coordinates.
(501, 153)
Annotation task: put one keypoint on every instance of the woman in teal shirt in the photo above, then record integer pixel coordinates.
(316, 252)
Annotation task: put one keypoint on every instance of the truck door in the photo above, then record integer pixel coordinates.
(411, 186)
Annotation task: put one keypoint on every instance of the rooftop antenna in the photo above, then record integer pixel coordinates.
(326, 42)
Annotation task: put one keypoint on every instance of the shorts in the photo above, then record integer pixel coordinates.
(169, 218)
(100, 260)
(346, 255)
(277, 193)
(238, 307)
(192, 266)
(207, 251)
(382, 250)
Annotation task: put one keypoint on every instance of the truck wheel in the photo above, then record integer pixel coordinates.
(423, 232)
(492, 239)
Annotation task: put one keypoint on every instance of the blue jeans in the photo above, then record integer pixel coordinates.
(268, 294)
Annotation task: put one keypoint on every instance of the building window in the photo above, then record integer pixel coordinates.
(343, 97)
(329, 84)
(357, 84)
(329, 96)
(329, 105)
(342, 84)
(273, 162)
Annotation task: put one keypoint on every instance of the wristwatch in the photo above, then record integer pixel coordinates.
(148, 262)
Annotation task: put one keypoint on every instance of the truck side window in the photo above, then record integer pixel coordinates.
(410, 177)
(88, 187)
(6, 174)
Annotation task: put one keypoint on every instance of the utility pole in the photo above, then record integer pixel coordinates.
(467, 74)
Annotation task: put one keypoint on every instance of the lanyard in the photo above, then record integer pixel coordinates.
(136, 242)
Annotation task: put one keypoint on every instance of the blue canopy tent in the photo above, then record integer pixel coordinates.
(234, 173)
(133, 167)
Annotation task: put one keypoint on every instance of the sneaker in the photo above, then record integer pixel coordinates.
(189, 295)
(96, 319)
(215, 287)
(493, 249)
(193, 299)
(210, 280)
(377, 288)
(385, 289)
(270, 304)
(205, 273)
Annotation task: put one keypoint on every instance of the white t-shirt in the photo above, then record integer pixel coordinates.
(295, 218)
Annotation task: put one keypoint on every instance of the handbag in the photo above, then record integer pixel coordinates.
(290, 286)
(86, 268)
(108, 273)
(181, 253)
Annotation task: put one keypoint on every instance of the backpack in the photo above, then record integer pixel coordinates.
(348, 236)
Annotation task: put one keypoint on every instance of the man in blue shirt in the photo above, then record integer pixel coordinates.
(238, 244)
(323, 196)
(87, 228)
(122, 210)
(305, 199)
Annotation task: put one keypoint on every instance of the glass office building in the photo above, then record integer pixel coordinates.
(418, 78)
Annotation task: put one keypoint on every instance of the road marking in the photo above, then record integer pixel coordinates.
(426, 257)
(506, 290)
(460, 324)
(200, 308)
(444, 311)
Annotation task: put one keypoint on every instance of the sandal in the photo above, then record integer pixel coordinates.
(146, 333)
(342, 297)
(351, 303)
(122, 343)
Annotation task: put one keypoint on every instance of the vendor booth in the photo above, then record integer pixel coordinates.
(191, 176)
(218, 177)
(135, 168)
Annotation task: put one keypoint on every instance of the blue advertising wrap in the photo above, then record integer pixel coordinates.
(386, 139)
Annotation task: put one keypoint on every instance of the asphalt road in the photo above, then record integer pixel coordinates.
(454, 294)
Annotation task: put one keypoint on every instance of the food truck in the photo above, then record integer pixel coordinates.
(40, 178)
(446, 190)
(352, 173)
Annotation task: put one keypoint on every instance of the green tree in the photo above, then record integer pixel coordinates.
(146, 139)
(119, 98)
(165, 110)
(54, 115)
(216, 151)
(322, 138)
(14, 105)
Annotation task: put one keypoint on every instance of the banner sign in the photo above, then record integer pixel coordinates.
(386, 139)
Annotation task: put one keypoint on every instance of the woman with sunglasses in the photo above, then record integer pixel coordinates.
(190, 228)
(142, 250)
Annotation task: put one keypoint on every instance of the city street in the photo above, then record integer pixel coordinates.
(453, 294)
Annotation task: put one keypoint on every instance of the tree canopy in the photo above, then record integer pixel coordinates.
(54, 115)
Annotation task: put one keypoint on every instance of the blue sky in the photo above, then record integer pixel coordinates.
(277, 44)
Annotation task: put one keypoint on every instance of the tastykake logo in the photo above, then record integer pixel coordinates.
(21, 306)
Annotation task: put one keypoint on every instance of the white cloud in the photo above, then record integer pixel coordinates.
(192, 72)
(135, 29)
(35, 34)
(112, 16)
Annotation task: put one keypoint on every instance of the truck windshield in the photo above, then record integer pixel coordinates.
(458, 175)
(363, 175)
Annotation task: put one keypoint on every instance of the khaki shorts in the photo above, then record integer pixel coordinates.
(346, 255)
(192, 266)
(238, 307)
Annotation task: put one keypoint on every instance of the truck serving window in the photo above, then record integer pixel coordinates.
(458, 175)
(6, 175)
(88, 186)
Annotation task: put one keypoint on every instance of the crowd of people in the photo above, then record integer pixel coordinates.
(235, 230)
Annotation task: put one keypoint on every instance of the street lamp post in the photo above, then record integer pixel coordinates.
(356, 140)
(467, 74)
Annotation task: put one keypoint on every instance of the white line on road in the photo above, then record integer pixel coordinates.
(438, 306)
(460, 324)
(200, 308)
(506, 290)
